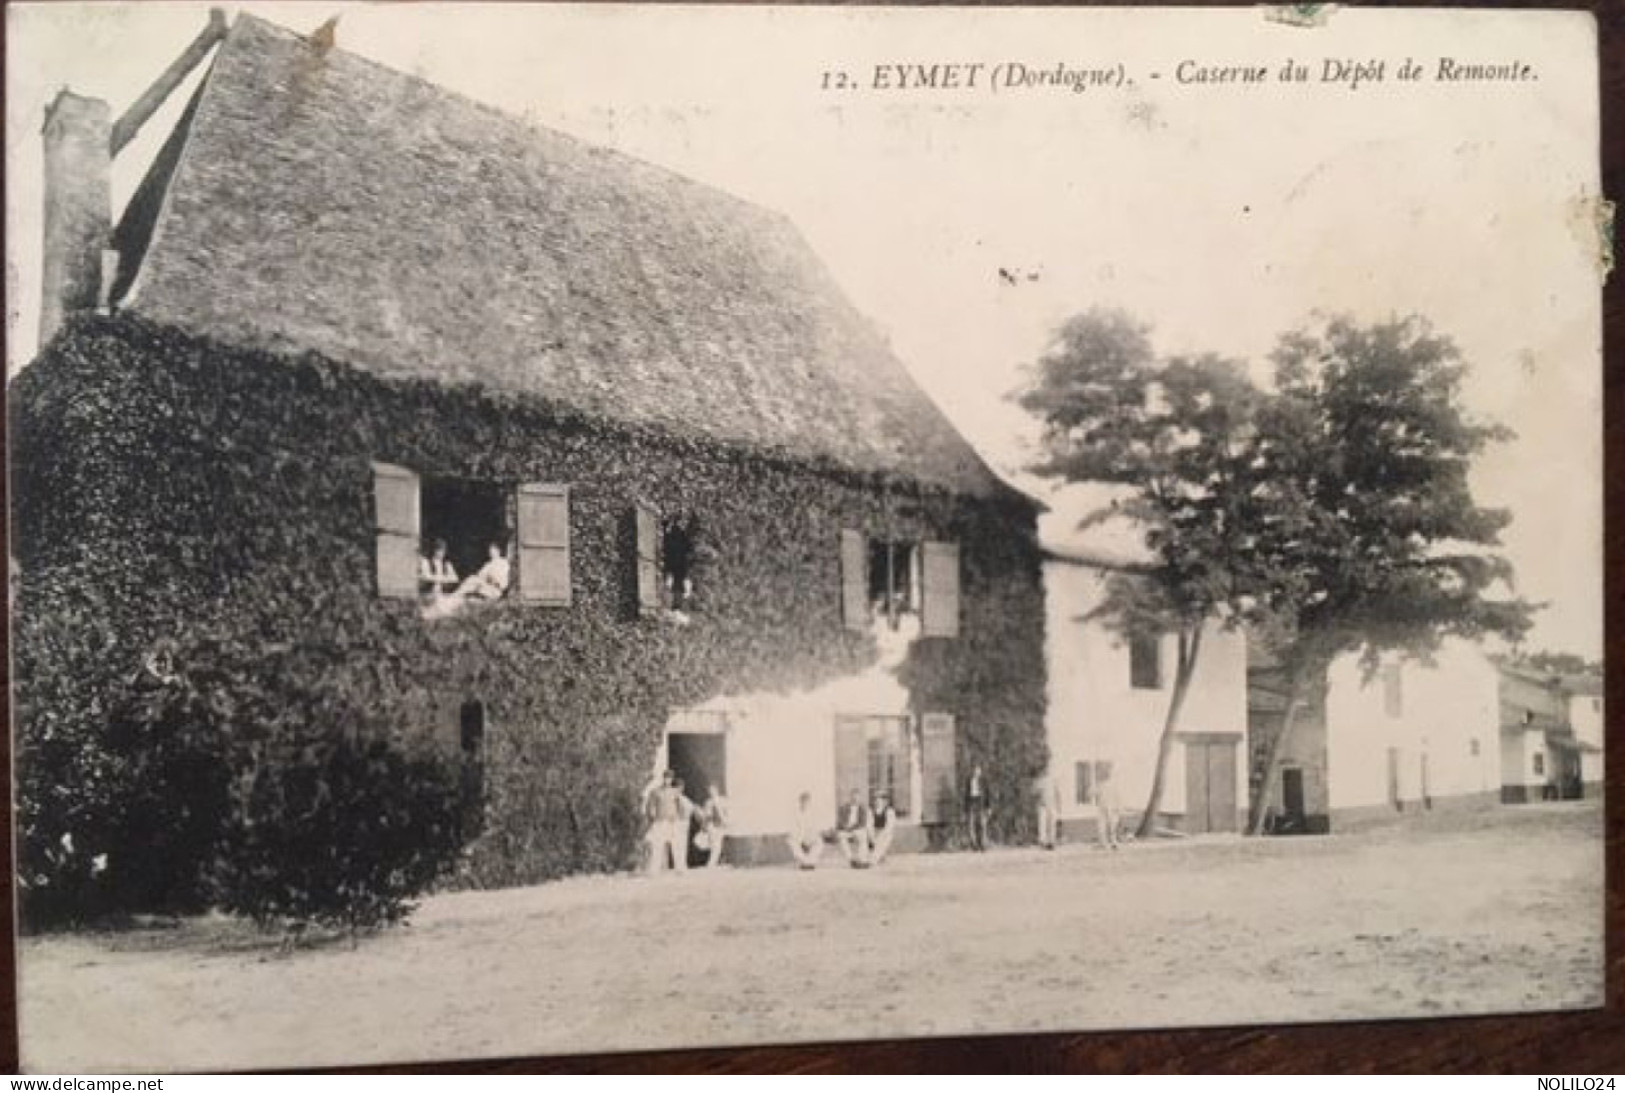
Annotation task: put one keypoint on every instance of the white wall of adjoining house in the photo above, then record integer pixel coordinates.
(1591, 768)
(782, 745)
(1518, 749)
(1448, 713)
(1585, 716)
(1094, 713)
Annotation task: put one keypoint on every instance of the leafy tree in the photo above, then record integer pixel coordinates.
(1177, 435)
(1364, 532)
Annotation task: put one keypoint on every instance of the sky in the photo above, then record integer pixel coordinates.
(1222, 214)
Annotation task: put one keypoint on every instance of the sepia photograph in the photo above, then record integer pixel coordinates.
(542, 529)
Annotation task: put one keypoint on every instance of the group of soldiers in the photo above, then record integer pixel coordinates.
(863, 831)
(676, 822)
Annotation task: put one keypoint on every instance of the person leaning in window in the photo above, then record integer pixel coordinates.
(490, 583)
(436, 575)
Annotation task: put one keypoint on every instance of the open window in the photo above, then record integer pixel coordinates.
(665, 562)
(892, 578)
(677, 564)
(450, 541)
(462, 521)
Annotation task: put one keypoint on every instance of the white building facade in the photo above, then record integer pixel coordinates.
(1414, 736)
(1109, 696)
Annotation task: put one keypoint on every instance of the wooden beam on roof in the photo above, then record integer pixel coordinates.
(125, 129)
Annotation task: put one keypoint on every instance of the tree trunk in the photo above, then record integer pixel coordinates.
(1190, 645)
(1258, 807)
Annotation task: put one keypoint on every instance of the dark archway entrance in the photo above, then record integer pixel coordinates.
(700, 759)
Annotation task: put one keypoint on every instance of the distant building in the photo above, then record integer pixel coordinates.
(1551, 735)
(1108, 698)
(1585, 695)
(1410, 737)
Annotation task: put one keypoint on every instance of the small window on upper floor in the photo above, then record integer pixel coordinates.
(1393, 691)
(677, 564)
(1145, 662)
(665, 563)
(894, 581)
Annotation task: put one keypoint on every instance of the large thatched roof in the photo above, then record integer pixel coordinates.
(313, 200)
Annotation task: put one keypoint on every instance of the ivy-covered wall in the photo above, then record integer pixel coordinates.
(167, 490)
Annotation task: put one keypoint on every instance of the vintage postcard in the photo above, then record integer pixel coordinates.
(554, 529)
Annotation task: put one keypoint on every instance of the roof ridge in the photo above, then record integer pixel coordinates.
(508, 117)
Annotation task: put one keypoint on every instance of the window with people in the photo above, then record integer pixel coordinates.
(666, 562)
(891, 579)
(894, 586)
(455, 544)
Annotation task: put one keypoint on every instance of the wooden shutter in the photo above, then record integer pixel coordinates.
(544, 544)
(854, 580)
(851, 760)
(939, 797)
(1221, 786)
(898, 743)
(395, 498)
(648, 558)
(940, 610)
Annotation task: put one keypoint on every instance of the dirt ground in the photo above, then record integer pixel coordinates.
(1458, 913)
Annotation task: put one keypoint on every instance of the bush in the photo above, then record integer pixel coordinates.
(213, 770)
(172, 802)
(342, 832)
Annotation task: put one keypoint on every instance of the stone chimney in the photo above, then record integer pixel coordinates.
(78, 207)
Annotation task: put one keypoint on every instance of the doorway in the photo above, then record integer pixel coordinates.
(1210, 783)
(1293, 820)
(700, 759)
